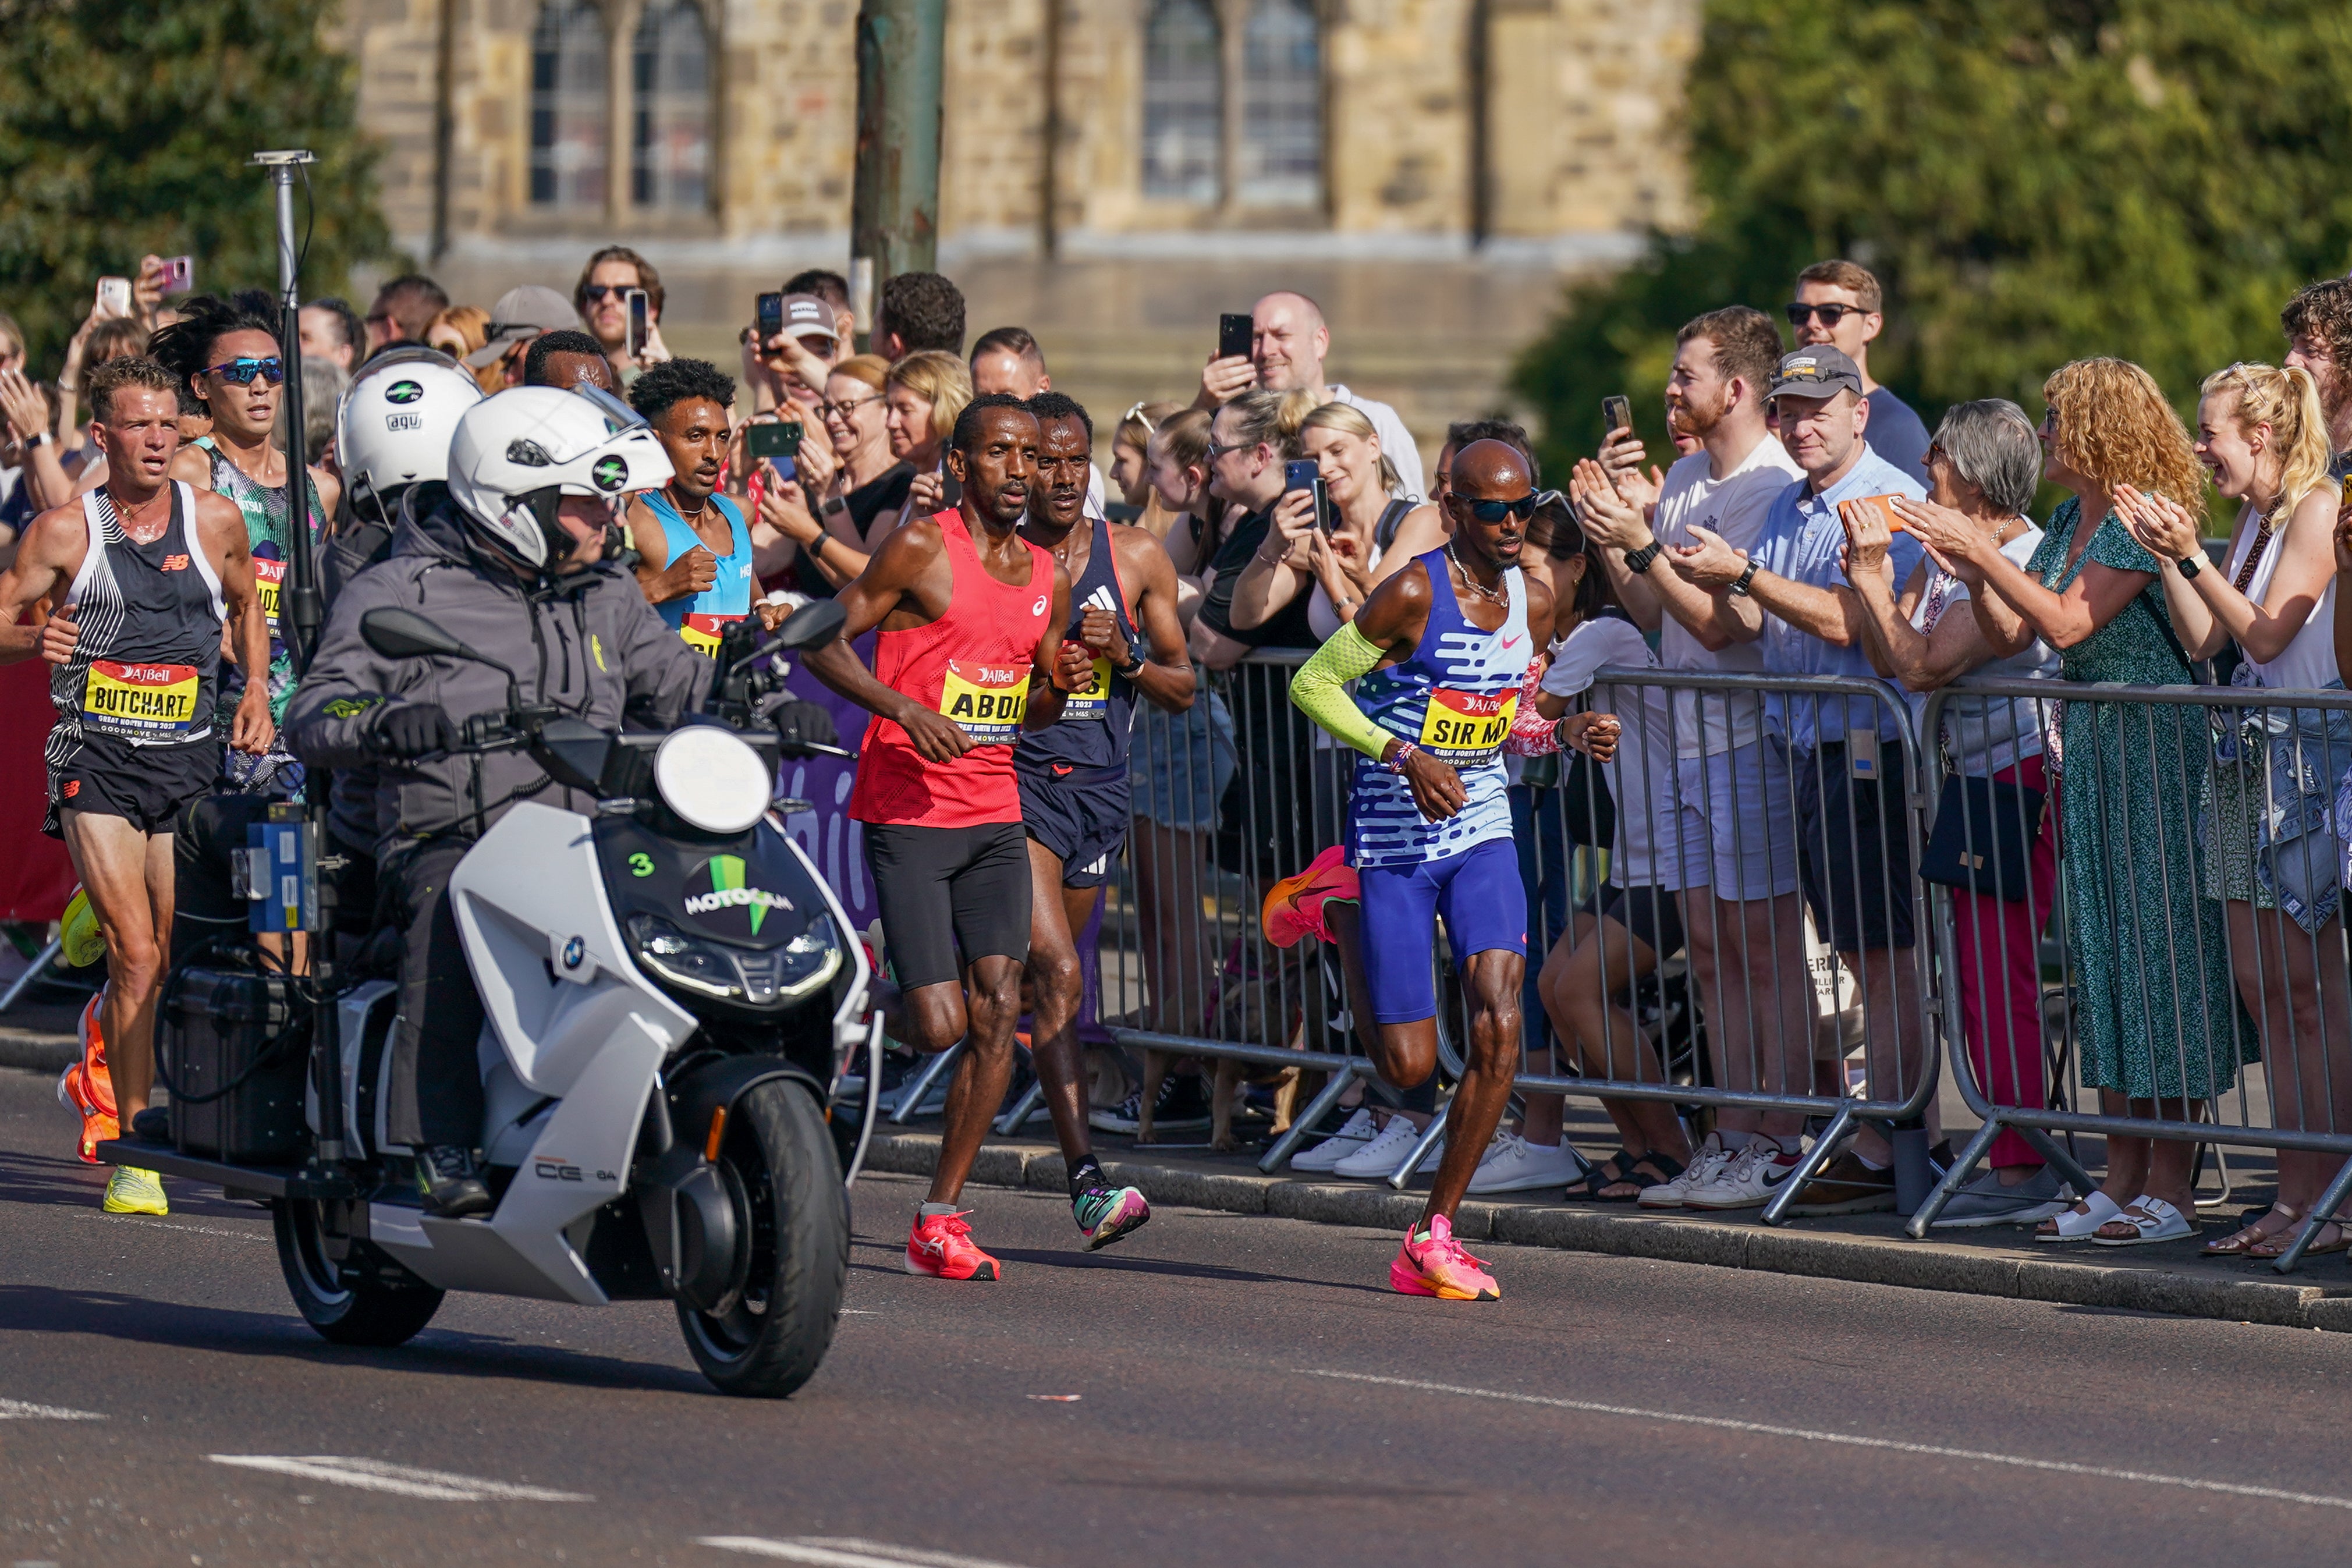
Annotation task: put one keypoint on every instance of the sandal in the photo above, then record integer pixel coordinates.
(2144, 1221)
(2080, 1222)
(1664, 1168)
(2275, 1246)
(1613, 1171)
(2242, 1243)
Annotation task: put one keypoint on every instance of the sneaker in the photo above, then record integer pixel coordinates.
(940, 1244)
(1513, 1164)
(1747, 1180)
(1432, 1263)
(152, 1125)
(1294, 906)
(78, 934)
(1181, 1106)
(1106, 1214)
(1985, 1201)
(1706, 1164)
(1353, 1134)
(1846, 1185)
(1380, 1158)
(86, 1089)
(450, 1183)
(129, 1191)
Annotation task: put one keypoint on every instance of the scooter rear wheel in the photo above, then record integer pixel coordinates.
(349, 1312)
(770, 1337)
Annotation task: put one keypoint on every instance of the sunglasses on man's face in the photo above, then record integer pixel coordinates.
(1831, 315)
(1523, 508)
(599, 290)
(241, 371)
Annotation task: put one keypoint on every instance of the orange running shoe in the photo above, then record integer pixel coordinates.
(87, 1090)
(1294, 906)
(941, 1245)
(1433, 1264)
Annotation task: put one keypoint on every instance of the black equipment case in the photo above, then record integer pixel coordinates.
(233, 1049)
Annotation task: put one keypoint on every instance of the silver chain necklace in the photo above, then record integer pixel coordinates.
(1495, 596)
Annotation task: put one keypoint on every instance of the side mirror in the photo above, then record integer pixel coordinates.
(574, 752)
(811, 626)
(404, 634)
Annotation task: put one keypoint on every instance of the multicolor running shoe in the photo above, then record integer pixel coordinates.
(1432, 1263)
(87, 1090)
(941, 1245)
(1294, 906)
(1106, 1214)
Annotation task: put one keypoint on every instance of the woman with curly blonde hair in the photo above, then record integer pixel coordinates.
(2156, 1018)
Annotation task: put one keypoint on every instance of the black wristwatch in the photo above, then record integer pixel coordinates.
(2191, 566)
(1639, 561)
(1747, 577)
(1128, 672)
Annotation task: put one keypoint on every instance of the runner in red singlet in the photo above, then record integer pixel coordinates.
(970, 654)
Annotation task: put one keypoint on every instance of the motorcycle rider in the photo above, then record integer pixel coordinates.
(508, 556)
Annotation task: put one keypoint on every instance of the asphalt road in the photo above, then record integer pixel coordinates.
(1246, 1391)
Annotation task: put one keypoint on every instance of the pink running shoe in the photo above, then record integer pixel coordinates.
(1433, 1264)
(941, 1245)
(1294, 906)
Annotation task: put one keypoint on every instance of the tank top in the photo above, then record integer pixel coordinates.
(1454, 698)
(145, 670)
(2307, 663)
(972, 665)
(266, 527)
(700, 617)
(1097, 719)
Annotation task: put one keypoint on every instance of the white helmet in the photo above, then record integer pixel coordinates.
(517, 454)
(395, 423)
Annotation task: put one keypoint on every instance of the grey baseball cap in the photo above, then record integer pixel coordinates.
(1818, 372)
(806, 316)
(521, 315)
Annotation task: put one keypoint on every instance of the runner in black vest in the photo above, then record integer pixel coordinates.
(143, 573)
(1073, 773)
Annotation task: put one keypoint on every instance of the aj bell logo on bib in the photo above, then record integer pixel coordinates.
(987, 701)
(1467, 728)
(727, 892)
(140, 702)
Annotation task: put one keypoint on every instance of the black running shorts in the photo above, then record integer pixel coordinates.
(947, 888)
(1080, 814)
(146, 785)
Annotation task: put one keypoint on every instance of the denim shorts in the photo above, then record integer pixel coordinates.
(2298, 859)
(1181, 762)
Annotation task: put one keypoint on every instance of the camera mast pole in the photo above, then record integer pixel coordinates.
(895, 205)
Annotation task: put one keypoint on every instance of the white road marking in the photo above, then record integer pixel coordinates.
(114, 1220)
(17, 1410)
(843, 1551)
(377, 1476)
(1845, 1439)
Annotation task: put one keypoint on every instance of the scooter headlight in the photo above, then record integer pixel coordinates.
(713, 778)
(737, 975)
(684, 958)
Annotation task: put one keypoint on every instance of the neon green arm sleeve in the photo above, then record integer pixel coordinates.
(1319, 690)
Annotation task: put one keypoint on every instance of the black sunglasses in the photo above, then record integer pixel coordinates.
(598, 290)
(1497, 510)
(241, 371)
(1831, 315)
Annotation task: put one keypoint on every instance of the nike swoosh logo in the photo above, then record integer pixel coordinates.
(1773, 1181)
(1510, 642)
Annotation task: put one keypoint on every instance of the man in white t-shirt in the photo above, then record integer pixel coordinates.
(1289, 343)
(1725, 815)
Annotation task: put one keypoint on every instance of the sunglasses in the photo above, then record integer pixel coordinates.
(241, 371)
(1136, 414)
(1497, 510)
(1219, 448)
(1831, 315)
(600, 290)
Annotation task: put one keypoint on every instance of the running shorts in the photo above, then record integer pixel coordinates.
(1079, 814)
(945, 888)
(1479, 895)
(145, 785)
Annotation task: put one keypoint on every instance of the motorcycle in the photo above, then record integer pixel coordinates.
(672, 1000)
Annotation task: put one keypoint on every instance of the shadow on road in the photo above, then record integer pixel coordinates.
(52, 1179)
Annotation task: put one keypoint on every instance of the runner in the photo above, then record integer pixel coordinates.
(696, 551)
(1073, 773)
(1443, 651)
(969, 651)
(145, 572)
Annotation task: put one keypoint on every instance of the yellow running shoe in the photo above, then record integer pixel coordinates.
(134, 1192)
(84, 944)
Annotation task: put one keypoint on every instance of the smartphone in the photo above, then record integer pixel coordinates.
(770, 319)
(773, 439)
(640, 320)
(114, 296)
(1300, 474)
(1235, 337)
(179, 274)
(1616, 414)
(1326, 519)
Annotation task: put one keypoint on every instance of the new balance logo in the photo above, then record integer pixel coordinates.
(175, 564)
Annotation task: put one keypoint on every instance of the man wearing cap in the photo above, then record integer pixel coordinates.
(799, 357)
(521, 315)
(1847, 770)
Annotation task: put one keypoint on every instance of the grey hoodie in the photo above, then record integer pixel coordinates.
(587, 643)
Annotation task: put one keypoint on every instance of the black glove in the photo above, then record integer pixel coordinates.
(411, 729)
(805, 724)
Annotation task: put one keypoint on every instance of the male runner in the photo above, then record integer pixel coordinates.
(1073, 773)
(1442, 650)
(696, 551)
(970, 653)
(145, 572)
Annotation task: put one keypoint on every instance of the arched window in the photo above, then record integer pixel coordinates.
(568, 111)
(669, 137)
(1281, 162)
(1183, 101)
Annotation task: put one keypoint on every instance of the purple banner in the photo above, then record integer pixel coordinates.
(824, 832)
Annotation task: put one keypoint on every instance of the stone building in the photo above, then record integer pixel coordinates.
(1430, 166)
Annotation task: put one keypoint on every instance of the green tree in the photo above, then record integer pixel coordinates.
(2033, 180)
(124, 130)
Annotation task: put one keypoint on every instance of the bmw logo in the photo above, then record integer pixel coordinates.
(574, 952)
(611, 473)
(402, 392)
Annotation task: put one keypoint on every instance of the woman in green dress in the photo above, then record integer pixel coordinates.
(2157, 1021)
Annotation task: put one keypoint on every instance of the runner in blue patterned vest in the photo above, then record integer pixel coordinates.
(1440, 651)
(1074, 804)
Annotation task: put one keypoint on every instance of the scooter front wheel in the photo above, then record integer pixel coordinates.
(349, 1312)
(769, 1337)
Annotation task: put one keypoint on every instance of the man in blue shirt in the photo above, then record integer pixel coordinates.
(1854, 841)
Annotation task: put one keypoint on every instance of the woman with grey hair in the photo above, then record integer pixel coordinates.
(1982, 469)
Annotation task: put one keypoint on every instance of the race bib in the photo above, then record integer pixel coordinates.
(1090, 702)
(1465, 729)
(140, 702)
(987, 700)
(702, 632)
(268, 574)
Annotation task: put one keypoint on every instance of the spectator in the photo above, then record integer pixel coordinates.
(1131, 465)
(919, 312)
(333, 332)
(11, 344)
(1425, 528)
(1008, 360)
(403, 308)
(2318, 326)
(564, 359)
(794, 363)
(1725, 818)
(922, 396)
(96, 342)
(834, 289)
(2262, 435)
(862, 500)
(1982, 469)
(323, 384)
(2155, 1023)
(1837, 306)
(601, 299)
(521, 315)
(1335, 570)
(1290, 341)
(457, 331)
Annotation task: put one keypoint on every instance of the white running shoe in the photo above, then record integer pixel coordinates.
(1706, 1163)
(1513, 1164)
(1353, 1134)
(1747, 1180)
(1380, 1158)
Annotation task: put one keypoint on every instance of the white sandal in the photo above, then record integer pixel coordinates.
(2152, 1220)
(2078, 1224)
